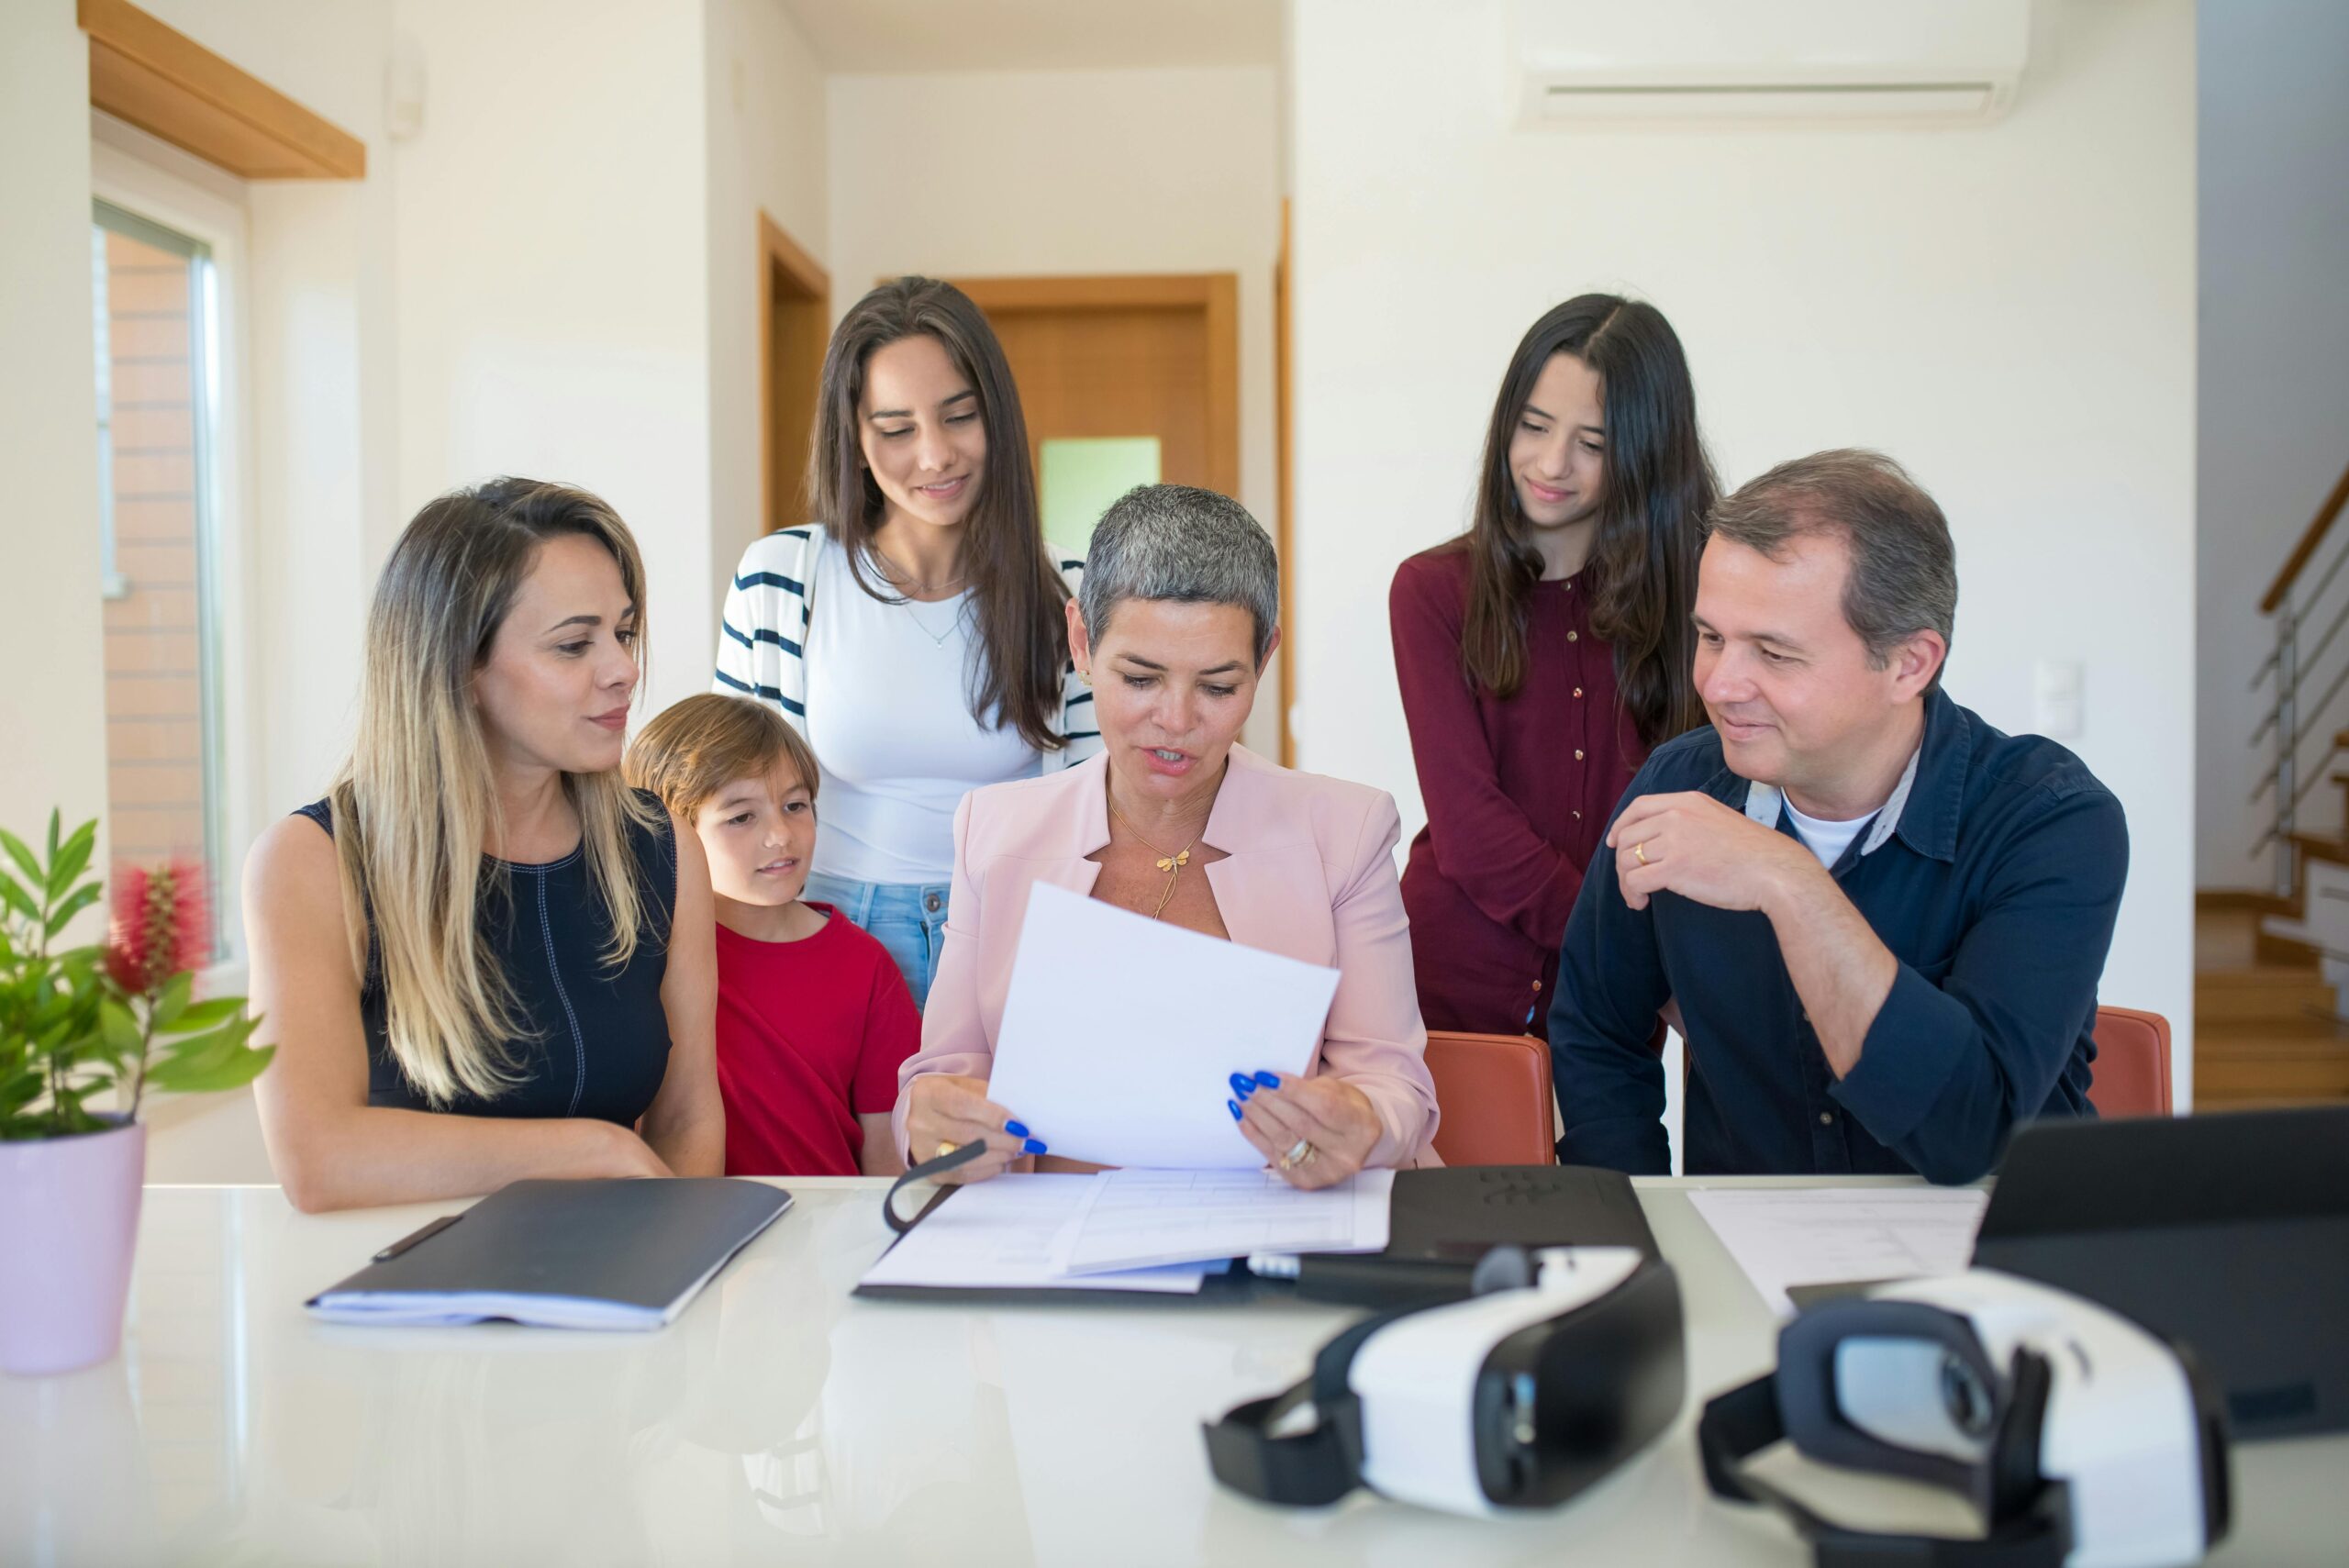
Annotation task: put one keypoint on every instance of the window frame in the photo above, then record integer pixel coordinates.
(154, 182)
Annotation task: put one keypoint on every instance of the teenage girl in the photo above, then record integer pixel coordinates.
(915, 634)
(1544, 652)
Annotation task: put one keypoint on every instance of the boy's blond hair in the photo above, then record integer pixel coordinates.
(699, 746)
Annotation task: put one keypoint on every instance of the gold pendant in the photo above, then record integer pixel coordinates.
(1176, 861)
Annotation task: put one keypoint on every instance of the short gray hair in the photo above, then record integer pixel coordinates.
(1181, 543)
(1903, 575)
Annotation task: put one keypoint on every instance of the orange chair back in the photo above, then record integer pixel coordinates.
(1494, 1091)
(2132, 1073)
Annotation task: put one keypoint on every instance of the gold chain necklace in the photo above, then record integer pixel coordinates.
(1171, 864)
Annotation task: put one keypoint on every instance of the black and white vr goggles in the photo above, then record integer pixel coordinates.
(2080, 1439)
(1565, 1363)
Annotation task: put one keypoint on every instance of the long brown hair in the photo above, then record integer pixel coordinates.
(415, 802)
(1016, 592)
(1659, 488)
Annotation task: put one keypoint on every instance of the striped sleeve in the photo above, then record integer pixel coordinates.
(1077, 724)
(763, 622)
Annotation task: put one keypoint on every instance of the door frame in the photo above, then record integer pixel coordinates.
(779, 254)
(1217, 292)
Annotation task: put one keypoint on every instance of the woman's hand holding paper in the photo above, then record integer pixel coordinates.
(1314, 1131)
(947, 1111)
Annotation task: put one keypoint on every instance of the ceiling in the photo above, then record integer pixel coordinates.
(880, 36)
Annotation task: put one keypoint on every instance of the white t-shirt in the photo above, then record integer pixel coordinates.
(1828, 840)
(889, 716)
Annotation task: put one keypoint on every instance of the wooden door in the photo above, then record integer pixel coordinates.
(1125, 361)
(794, 322)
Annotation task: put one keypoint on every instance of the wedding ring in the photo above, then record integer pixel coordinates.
(1641, 850)
(944, 1149)
(1299, 1153)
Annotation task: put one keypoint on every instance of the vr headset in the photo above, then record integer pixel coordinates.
(2080, 1439)
(1565, 1363)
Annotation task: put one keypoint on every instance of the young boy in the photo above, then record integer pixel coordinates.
(813, 1017)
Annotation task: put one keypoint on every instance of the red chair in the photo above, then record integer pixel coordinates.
(1493, 1090)
(2131, 1072)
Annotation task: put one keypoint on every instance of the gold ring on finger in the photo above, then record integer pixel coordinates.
(1641, 850)
(1298, 1153)
(945, 1148)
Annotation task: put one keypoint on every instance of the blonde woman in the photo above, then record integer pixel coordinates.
(483, 957)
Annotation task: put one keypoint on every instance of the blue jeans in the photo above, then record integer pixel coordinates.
(907, 919)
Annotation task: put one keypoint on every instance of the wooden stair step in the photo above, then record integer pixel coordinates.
(2259, 992)
(2224, 1078)
(2333, 846)
(2237, 1043)
(2209, 1104)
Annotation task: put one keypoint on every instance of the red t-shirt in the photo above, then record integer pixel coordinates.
(809, 1037)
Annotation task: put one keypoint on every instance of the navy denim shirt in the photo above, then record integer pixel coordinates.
(1994, 885)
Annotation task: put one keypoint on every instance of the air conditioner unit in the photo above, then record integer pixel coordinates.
(1627, 62)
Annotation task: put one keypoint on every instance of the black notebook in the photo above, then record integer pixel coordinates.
(587, 1254)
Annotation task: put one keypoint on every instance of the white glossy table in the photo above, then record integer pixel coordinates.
(781, 1421)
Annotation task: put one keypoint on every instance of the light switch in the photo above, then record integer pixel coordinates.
(2056, 698)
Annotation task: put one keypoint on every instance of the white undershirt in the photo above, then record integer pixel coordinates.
(889, 716)
(1828, 840)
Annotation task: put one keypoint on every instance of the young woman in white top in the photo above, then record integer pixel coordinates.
(915, 635)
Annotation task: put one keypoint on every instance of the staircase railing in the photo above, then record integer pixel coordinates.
(2291, 720)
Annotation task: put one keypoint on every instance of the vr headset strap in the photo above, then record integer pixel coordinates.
(1318, 1465)
(1742, 1422)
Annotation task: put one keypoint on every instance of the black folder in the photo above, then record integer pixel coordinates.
(1440, 1223)
(583, 1254)
(2229, 1232)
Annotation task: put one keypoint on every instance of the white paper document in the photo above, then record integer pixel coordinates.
(1001, 1235)
(1120, 1034)
(1143, 1218)
(1841, 1235)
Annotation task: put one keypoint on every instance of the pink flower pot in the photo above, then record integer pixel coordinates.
(69, 1223)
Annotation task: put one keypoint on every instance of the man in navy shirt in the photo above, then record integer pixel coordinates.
(1881, 920)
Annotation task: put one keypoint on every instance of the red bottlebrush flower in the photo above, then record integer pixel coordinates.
(163, 924)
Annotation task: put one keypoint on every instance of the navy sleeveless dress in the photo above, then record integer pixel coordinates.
(599, 1039)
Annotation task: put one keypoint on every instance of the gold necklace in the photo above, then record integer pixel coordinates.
(1171, 864)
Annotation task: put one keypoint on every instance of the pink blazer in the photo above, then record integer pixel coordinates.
(1310, 873)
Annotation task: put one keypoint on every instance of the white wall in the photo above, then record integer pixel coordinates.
(2008, 309)
(553, 279)
(2274, 378)
(313, 323)
(766, 108)
(1003, 174)
(52, 698)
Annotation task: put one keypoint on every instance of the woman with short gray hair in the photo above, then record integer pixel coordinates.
(1177, 615)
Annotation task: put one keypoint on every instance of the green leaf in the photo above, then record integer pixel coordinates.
(71, 861)
(83, 896)
(238, 1070)
(171, 1001)
(17, 898)
(199, 1052)
(55, 817)
(119, 1027)
(205, 1015)
(22, 856)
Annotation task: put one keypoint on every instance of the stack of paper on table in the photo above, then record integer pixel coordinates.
(1149, 1231)
(1120, 1034)
(1798, 1236)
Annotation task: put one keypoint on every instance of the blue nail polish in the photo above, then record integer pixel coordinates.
(1033, 1146)
(1014, 1128)
(1242, 1084)
(1234, 1107)
(1269, 1079)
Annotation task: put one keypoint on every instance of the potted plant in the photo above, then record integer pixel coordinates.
(102, 1022)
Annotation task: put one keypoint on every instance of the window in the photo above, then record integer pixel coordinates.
(1080, 476)
(157, 346)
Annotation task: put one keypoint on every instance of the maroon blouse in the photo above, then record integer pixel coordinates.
(1517, 793)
